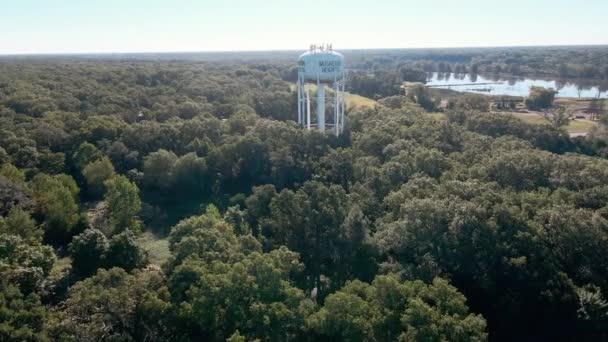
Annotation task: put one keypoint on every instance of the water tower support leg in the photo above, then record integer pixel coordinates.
(320, 107)
(299, 90)
(342, 105)
(308, 109)
(336, 108)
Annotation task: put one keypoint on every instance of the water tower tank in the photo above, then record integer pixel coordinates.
(322, 65)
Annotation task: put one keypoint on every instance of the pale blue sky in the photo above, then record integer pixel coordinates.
(57, 26)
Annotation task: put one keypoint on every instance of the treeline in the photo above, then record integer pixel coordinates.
(558, 61)
(405, 228)
(375, 73)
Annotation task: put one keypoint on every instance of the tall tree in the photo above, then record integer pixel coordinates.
(158, 167)
(540, 98)
(56, 200)
(96, 173)
(87, 251)
(309, 222)
(124, 204)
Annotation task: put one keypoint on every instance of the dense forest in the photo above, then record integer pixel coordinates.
(407, 227)
(556, 61)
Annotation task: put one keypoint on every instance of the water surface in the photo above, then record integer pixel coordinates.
(516, 86)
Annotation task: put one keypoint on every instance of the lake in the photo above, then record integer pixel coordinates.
(516, 86)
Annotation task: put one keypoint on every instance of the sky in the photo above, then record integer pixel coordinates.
(77, 26)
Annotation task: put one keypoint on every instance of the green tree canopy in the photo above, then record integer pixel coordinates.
(540, 98)
(96, 173)
(389, 310)
(56, 200)
(124, 204)
(87, 251)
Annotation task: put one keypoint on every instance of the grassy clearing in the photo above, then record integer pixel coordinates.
(350, 100)
(157, 248)
(531, 119)
(353, 100)
(437, 116)
(575, 126)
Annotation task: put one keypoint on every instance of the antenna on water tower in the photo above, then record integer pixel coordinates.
(325, 67)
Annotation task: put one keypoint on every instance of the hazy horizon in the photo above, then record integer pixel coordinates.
(154, 26)
(294, 50)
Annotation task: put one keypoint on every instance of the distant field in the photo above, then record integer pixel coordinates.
(350, 100)
(353, 100)
(575, 126)
(437, 116)
(531, 119)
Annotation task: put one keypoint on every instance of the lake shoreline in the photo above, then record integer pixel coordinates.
(501, 85)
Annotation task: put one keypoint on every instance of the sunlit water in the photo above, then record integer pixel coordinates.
(516, 86)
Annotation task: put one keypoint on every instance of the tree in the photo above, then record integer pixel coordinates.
(443, 304)
(338, 166)
(520, 169)
(592, 311)
(309, 222)
(253, 295)
(23, 317)
(87, 251)
(19, 222)
(114, 305)
(52, 163)
(473, 102)
(409, 74)
(558, 118)
(430, 161)
(24, 260)
(474, 68)
(575, 235)
(258, 205)
(421, 95)
(10, 172)
(158, 167)
(56, 200)
(188, 110)
(13, 194)
(208, 237)
(344, 317)
(394, 102)
(599, 108)
(540, 98)
(189, 174)
(275, 105)
(238, 219)
(96, 173)
(85, 154)
(124, 204)
(230, 286)
(356, 254)
(124, 252)
(240, 164)
(389, 310)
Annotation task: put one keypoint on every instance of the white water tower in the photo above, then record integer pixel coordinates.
(323, 67)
